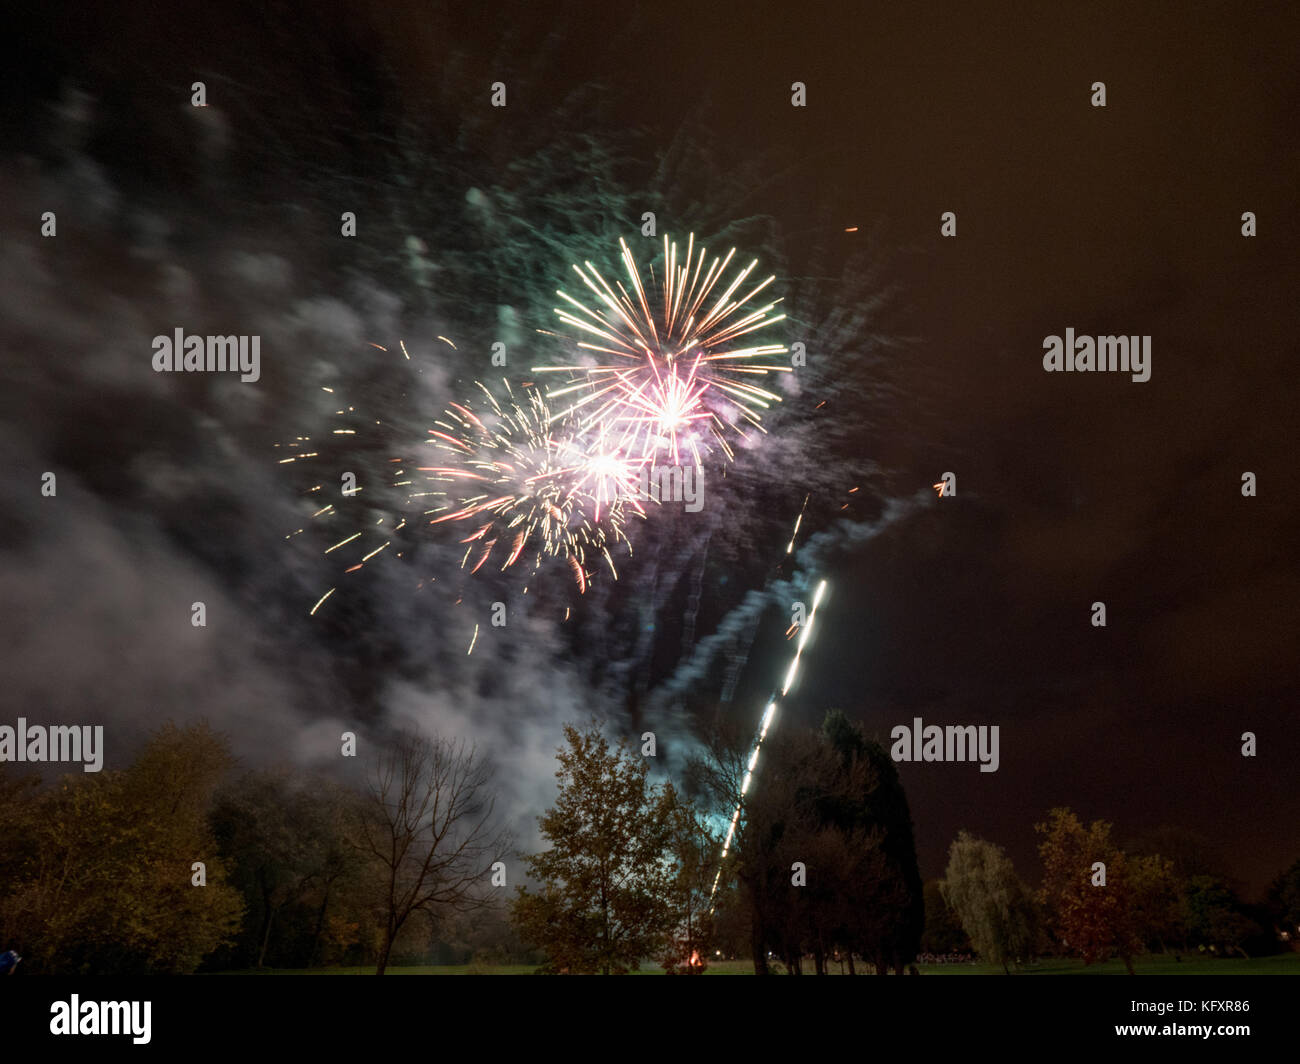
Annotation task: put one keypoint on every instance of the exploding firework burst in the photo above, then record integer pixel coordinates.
(675, 367)
(539, 485)
(676, 370)
(527, 476)
(603, 472)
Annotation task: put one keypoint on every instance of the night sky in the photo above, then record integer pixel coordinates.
(927, 352)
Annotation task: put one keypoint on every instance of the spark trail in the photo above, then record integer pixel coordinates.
(769, 715)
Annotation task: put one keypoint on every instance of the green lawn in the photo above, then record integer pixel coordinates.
(1282, 964)
(724, 968)
(1156, 964)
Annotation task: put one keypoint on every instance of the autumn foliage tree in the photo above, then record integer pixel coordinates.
(97, 875)
(285, 840)
(1092, 920)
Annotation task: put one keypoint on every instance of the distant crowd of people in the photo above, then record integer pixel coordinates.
(945, 958)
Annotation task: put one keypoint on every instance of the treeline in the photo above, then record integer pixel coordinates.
(821, 870)
(182, 863)
(1167, 894)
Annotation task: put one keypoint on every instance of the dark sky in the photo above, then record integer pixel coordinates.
(973, 610)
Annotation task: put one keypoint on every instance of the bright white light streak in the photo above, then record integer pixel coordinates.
(374, 552)
(803, 638)
(731, 832)
(789, 675)
(343, 541)
(321, 602)
(769, 715)
(798, 521)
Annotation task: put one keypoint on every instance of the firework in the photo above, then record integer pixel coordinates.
(673, 359)
(769, 715)
(360, 431)
(526, 477)
(794, 535)
(603, 471)
(537, 485)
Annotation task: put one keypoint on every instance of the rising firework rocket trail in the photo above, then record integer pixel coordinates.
(672, 365)
(769, 715)
(795, 534)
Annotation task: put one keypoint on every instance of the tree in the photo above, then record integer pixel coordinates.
(943, 931)
(879, 812)
(103, 883)
(608, 879)
(1155, 914)
(286, 842)
(1092, 921)
(1213, 917)
(994, 908)
(831, 802)
(1283, 902)
(336, 869)
(694, 853)
(429, 827)
(717, 775)
(779, 829)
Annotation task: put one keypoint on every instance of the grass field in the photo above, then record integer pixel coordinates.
(1282, 964)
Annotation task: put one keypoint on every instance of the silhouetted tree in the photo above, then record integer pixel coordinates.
(429, 827)
(1283, 904)
(943, 931)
